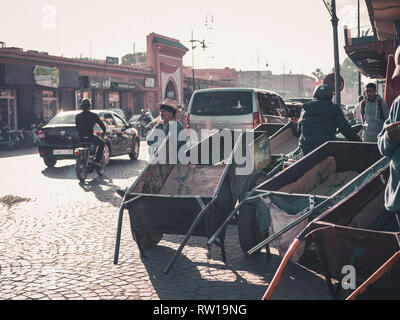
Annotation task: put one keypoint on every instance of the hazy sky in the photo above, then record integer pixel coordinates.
(245, 35)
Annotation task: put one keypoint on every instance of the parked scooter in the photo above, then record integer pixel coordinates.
(30, 135)
(10, 139)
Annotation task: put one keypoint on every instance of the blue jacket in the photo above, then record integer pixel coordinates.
(390, 148)
(152, 136)
(318, 123)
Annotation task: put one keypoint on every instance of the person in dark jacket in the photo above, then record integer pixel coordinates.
(389, 146)
(319, 120)
(84, 124)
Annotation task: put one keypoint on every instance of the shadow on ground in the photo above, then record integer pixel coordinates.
(23, 151)
(226, 281)
(116, 169)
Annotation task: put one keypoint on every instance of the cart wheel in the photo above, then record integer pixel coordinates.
(247, 227)
(148, 239)
(255, 179)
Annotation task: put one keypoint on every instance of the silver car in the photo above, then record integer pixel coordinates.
(234, 108)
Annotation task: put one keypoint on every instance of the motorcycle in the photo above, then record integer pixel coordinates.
(30, 135)
(85, 156)
(11, 139)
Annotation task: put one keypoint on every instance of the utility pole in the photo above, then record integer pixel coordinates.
(258, 70)
(359, 33)
(332, 11)
(335, 21)
(203, 45)
(193, 82)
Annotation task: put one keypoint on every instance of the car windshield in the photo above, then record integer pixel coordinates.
(222, 103)
(63, 118)
(134, 118)
(118, 111)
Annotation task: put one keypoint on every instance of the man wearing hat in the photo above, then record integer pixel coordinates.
(389, 146)
(167, 123)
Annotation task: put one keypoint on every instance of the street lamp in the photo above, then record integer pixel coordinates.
(331, 6)
(203, 45)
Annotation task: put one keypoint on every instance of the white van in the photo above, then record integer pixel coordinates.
(234, 108)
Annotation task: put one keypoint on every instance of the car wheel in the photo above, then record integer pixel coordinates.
(106, 154)
(50, 161)
(135, 150)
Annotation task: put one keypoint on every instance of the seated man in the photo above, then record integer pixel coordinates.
(319, 120)
(84, 124)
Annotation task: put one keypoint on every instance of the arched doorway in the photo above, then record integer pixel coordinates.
(170, 91)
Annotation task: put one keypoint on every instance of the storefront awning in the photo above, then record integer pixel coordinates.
(16, 74)
(370, 57)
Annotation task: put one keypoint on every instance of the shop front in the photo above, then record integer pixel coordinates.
(108, 92)
(8, 116)
(34, 94)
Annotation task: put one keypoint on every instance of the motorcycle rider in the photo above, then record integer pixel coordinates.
(319, 120)
(84, 123)
(144, 120)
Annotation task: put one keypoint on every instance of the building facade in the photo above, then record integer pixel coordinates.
(164, 56)
(35, 86)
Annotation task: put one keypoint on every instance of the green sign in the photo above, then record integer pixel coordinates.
(46, 76)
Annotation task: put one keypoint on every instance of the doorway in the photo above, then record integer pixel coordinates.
(8, 110)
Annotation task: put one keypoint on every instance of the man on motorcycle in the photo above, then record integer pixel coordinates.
(84, 124)
(145, 116)
(144, 120)
(319, 120)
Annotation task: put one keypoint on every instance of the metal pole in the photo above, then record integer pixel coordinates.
(193, 82)
(336, 52)
(359, 33)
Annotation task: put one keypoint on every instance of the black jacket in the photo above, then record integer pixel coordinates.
(318, 123)
(85, 121)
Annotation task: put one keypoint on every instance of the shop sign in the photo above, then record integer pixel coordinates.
(112, 60)
(98, 84)
(149, 83)
(123, 85)
(5, 92)
(46, 76)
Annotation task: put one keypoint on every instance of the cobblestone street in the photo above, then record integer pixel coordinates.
(58, 243)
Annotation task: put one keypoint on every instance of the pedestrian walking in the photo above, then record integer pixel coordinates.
(371, 112)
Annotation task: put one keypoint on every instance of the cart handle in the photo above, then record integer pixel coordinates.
(389, 264)
(277, 277)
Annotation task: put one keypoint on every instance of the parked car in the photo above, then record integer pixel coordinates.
(119, 112)
(58, 139)
(234, 108)
(295, 106)
(348, 112)
(134, 120)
